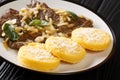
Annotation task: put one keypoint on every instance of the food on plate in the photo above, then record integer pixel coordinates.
(36, 23)
(44, 36)
(92, 38)
(34, 56)
(65, 49)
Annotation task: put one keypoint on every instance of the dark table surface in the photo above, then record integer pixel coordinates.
(109, 10)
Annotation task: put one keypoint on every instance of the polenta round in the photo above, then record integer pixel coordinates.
(65, 49)
(92, 38)
(34, 56)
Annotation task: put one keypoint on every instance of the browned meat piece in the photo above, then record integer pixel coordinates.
(87, 23)
(0, 32)
(43, 5)
(66, 30)
(14, 45)
(24, 37)
(81, 22)
(33, 3)
(48, 12)
(10, 14)
(78, 22)
(29, 36)
(34, 35)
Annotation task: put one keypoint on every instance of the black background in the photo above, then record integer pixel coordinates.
(109, 10)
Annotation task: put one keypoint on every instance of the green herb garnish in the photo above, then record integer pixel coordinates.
(10, 32)
(38, 22)
(73, 15)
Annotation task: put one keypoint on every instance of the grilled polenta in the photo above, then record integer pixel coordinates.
(92, 38)
(34, 56)
(65, 49)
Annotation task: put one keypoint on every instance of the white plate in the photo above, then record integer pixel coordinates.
(90, 61)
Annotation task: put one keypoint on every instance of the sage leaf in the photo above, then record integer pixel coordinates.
(73, 15)
(10, 32)
(38, 22)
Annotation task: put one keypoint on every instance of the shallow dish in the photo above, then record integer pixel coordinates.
(92, 59)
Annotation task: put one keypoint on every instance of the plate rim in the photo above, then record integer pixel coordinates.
(91, 68)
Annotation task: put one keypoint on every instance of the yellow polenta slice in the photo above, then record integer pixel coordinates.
(92, 38)
(34, 56)
(65, 49)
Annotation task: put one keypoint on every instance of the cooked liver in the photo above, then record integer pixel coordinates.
(14, 45)
(48, 12)
(14, 14)
(10, 14)
(81, 22)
